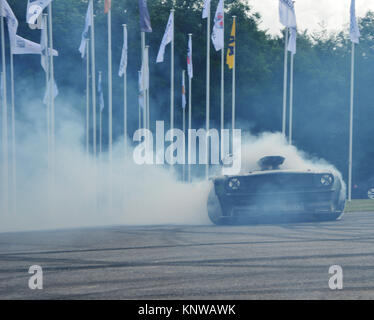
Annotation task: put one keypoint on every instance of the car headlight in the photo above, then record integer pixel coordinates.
(234, 184)
(327, 180)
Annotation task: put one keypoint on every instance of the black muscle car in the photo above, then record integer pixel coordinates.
(276, 195)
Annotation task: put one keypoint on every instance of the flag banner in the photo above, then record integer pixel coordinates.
(145, 71)
(44, 46)
(47, 92)
(24, 46)
(107, 6)
(85, 36)
(292, 41)
(167, 38)
(354, 30)
(101, 94)
(189, 59)
(141, 91)
(145, 20)
(231, 47)
(123, 64)
(34, 9)
(12, 21)
(206, 8)
(218, 28)
(183, 93)
(287, 15)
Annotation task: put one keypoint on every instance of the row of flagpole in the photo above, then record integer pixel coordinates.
(288, 19)
(19, 45)
(144, 73)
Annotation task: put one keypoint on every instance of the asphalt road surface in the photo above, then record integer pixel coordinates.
(193, 262)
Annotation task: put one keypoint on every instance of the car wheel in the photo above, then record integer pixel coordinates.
(371, 193)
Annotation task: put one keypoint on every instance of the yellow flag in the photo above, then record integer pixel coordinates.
(231, 48)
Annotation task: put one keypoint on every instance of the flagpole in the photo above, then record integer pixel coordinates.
(110, 77)
(184, 128)
(189, 119)
(93, 74)
(291, 100)
(100, 124)
(144, 103)
(172, 77)
(207, 92)
(14, 169)
(110, 107)
(125, 94)
(146, 56)
(147, 97)
(51, 91)
(223, 74)
(233, 88)
(140, 108)
(93, 92)
(351, 124)
(285, 83)
(100, 132)
(87, 97)
(5, 117)
(48, 102)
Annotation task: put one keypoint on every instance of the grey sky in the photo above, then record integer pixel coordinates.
(310, 13)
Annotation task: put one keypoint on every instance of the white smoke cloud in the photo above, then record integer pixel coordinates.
(81, 195)
(275, 144)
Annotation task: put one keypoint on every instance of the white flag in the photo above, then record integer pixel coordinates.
(34, 9)
(292, 41)
(44, 46)
(167, 38)
(12, 21)
(47, 94)
(189, 59)
(183, 92)
(354, 30)
(218, 29)
(123, 64)
(206, 8)
(24, 46)
(287, 15)
(82, 47)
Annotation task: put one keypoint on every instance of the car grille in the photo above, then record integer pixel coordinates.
(277, 183)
